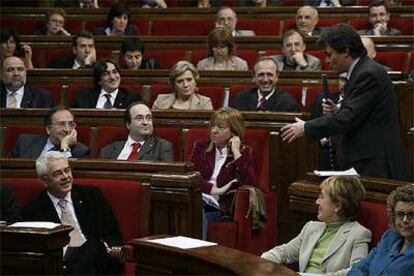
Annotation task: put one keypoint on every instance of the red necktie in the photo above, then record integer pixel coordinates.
(134, 152)
(261, 105)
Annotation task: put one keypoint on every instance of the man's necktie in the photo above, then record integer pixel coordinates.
(76, 239)
(134, 152)
(261, 105)
(108, 103)
(12, 100)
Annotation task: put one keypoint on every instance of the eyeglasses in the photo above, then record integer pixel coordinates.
(64, 124)
(401, 215)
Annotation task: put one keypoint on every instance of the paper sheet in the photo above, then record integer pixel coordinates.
(183, 242)
(350, 172)
(35, 224)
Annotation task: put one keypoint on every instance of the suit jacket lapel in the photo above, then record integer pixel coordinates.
(79, 209)
(120, 98)
(313, 240)
(338, 240)
(147, 147)
(253, 99)
(94, 96)
(51, 210)
(27, 97)
(38, 146)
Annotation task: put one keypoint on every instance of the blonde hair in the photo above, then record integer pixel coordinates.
(180, 68)
(348, 192)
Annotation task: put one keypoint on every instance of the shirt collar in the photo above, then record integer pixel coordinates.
(268, 96)
(55, 200)
(131, 141)
(76, 64)
(113, 94)
(19, 91)
(351, 68)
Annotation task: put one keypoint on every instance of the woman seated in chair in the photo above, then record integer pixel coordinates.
(333, 244)
(118, 22)
(10, 45)
(394, 254)
(132, 51)
(221, 52)
(183, 79)
(225, 163)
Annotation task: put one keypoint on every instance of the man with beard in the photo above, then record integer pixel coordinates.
(141, 143)
(106, 94)
(62, 136)
(266, 96)
(15, 93)
(95, 235)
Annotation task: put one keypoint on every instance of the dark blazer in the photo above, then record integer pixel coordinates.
(242, 169)
(9, 210)
(388, 31)
(317, 2)
(130, 30)
(87, 98)
(31, 146)
(279, 101)
(93, 212)
(368, 122)
(154, 149)
(32, 97)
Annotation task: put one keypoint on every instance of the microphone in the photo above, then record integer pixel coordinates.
(325, 86)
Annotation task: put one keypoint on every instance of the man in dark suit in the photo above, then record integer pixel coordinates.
(226, 17)
(84, 53)
(379, 18)
(138, 121)
(106, 93)
(266, 96)
(307, 18)
(329, 3)
(9, 210)
(62, 136)
(15, 93)
(96, 232)
(368, 117)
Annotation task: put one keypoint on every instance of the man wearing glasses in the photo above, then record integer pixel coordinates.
(62, 136)
(141, 144)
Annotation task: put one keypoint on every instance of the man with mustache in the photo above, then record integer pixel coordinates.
(379, 18)
(107, 93)
(141, 143)
(266, 96)
(62, 136)
(16, 93)
(96, 233)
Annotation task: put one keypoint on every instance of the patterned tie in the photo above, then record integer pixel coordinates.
(261, 105)
(76, 239)
(134, 152)
(12, 100)
(108, 104)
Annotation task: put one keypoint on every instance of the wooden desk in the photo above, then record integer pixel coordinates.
(158, 259)
(33, 251)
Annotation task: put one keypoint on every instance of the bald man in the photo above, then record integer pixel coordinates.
(226, 17)
(307, 18)
(14, 91)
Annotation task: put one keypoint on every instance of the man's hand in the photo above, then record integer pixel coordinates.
(91, 58)
(336, 3)
(293, 131)
(64, 32)
(299, 58)
(329, 108)
(380, 28)
(69, 140)
(27, 50)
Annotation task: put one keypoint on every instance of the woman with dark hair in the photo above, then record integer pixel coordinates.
(118, 22)
(10, 45)
(394, 253)
(221, 52)
(224, 161)
(333, 244)
(132, 51)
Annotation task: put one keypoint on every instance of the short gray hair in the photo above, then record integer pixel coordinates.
(180, 68)
(44, 159)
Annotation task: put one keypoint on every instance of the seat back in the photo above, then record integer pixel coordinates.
(259, 26)
(396, 60)
(374, 216)
(182, 27)
(166, 57)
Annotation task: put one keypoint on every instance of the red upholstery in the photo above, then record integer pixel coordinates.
(91, 25)
(238, 234)
(182, 27)
(197, 55)
(216, 94)
(28, 26)
(405, 25)
(273, 52)
(142, 25)
(72, 89)
(411, 66)
(374, 216)
(259, 26)
(321, 55)
(74, 26)
(172, 135)
(166, 57)
(296, 92)
(250, 56)
(157, 89)
(13, 132)
(54, 88)
(397, 60)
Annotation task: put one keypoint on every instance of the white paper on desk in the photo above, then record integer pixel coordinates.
(35, 224)
(183, 242)
(350, 172)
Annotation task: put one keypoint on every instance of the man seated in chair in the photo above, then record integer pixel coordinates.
(62, 136)
(266, 96)
(307, 18)
(379, 18)
(107, 92)
(226, 17)
(141, 143)
(96, 234)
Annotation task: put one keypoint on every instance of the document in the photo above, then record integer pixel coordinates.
(35, 224)
(350, 172)
(183, 242)
(210, 200)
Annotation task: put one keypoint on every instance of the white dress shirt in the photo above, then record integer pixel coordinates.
(260, 96)
(102, 99)
(126, 151)
(18, 94)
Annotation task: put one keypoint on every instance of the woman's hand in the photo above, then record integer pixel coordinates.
(235, 143)
(222, 190)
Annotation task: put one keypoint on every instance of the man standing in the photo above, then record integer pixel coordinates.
(84, 53)
(379, 18)
(96, 232)
(62, 136)
(141, 143)
(106, 94)
(368, 116)
(266, 96)
(306, 20)
(294, 57)
(226, 17)
(15, 93)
